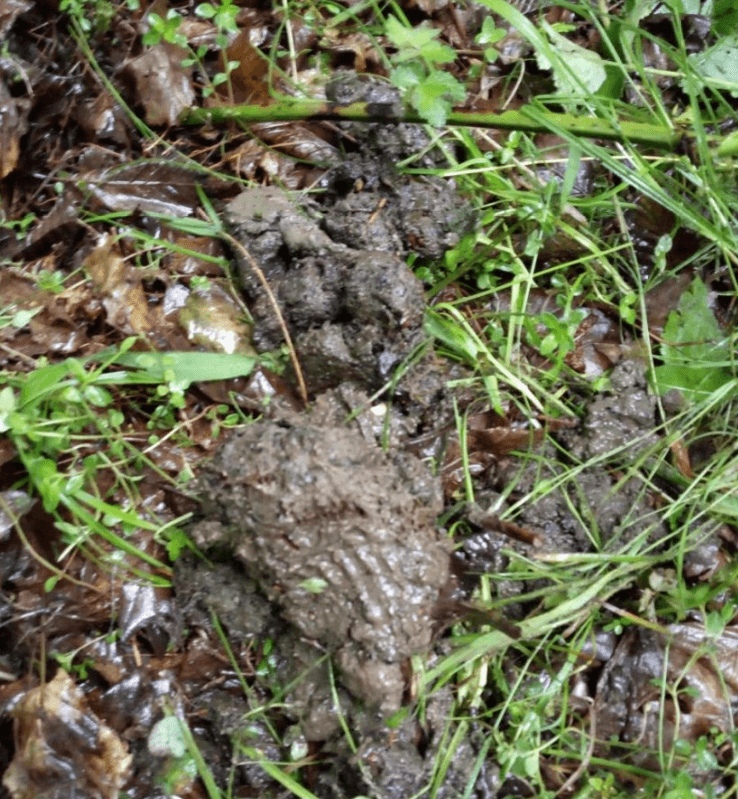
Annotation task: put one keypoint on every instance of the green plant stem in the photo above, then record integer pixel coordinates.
(642, 133)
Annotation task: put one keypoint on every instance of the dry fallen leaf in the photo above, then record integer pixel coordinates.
(163, 85)
(124, 299)
(13, 113)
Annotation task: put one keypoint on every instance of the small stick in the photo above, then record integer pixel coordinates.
(527, 118)
(273, 301)
(514, 531)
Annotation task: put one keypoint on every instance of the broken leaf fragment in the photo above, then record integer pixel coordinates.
(212, 319)
(62, 748)
(13, 113)
(163, 85)
(120, 285)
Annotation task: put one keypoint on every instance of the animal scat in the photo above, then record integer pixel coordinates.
(299, 502)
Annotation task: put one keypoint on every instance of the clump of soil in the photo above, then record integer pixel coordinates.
(353, 314)
(336, 264)
(339, 536)
(596, 509)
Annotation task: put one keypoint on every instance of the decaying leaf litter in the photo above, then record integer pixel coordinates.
(594, 653)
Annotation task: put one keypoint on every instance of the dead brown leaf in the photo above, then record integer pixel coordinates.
(102, 118)
(120, 285)
(145, 186)
(248, 80)
(700, 672)
(13, 114)
(62, 748)
(163, 85)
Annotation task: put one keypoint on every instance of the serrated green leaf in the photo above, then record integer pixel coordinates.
(409, 39)
(433, 97)
(719, 63)
(438, 53)
(407, 76)
(695, 352)
(177, 542)
(692, 321)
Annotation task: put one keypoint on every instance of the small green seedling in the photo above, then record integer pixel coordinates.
(696, 353)
(489, 36)
(428, 88)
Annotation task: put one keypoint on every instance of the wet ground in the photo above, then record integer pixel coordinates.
(322, 562)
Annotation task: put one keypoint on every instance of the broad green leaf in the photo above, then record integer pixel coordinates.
(719, 63)
(205, 10)
(725, 17)
(576, 71)
(695, 352)
(166, 738)
(41, 382)
(184, 368)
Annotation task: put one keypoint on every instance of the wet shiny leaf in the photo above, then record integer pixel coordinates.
(57, 733)
(187, 367)
(148, 187)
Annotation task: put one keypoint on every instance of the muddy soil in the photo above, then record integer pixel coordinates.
(340, 537)
(326, 564)
(336, 551)
(336, 264)
(337, 554)
(593, 510)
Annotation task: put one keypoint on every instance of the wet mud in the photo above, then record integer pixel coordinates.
(325, 562)
(326, 545)
(336, 264)
(594, 509)
(339, 536)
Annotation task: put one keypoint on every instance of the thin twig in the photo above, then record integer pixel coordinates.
(273, 301)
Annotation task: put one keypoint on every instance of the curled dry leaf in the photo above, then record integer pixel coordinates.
(62, 748)
(124, 299)
(13, 113)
